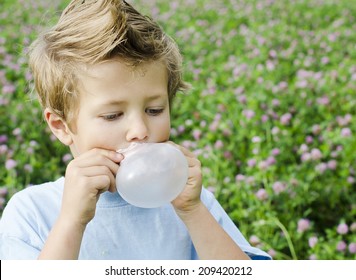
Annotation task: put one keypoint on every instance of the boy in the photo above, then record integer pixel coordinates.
(106, 77)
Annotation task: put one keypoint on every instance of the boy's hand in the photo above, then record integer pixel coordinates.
(189, 199)
(87, 176)
(210, 240)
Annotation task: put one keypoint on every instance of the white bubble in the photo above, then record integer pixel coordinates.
(151, 174)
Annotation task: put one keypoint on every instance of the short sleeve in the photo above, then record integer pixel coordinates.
(21, 227)
(12, 248)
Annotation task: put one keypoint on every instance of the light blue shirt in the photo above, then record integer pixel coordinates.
(118, 230)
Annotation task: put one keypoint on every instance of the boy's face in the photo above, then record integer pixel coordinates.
(119, 105)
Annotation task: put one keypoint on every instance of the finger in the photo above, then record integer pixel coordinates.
(100, 158)
(112, 155)
(193, 162)
(185, 151)
(101, 183)
(95, 171)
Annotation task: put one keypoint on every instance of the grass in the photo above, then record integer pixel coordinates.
(271, 114)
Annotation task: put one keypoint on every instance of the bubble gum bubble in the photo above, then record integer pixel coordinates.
(151, 174)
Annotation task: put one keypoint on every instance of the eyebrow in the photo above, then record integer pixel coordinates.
(157, 96)
(121, 102)
(112, 102)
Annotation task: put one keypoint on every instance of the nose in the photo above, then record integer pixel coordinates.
(137, 130)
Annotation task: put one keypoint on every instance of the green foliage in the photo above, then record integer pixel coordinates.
(271, 113)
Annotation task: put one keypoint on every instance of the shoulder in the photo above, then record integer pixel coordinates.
(213, 205)
(27, 219)
(36, 198)
(45, 190)
(207, 197)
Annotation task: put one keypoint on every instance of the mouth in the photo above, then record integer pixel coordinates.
(129, 147)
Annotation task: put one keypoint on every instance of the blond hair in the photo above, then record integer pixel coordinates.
(94, 31)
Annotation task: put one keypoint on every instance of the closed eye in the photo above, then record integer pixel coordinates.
(154, 112)
(112, 117)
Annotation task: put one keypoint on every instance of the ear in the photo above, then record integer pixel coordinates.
(59, 127)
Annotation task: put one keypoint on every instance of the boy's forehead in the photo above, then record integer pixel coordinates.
(100, 70)
(115, 75)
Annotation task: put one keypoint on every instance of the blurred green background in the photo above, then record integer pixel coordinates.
(271, 113)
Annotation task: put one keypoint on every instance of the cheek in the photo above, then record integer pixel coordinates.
(100, 136)
(162, 130)
(111, 139)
